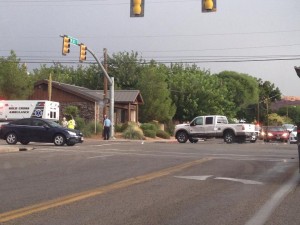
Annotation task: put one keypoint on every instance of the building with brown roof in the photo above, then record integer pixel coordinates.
(286, 101)
(91, 103)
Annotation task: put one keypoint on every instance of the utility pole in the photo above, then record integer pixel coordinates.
(105, 80)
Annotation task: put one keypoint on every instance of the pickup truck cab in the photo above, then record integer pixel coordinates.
(214, 126)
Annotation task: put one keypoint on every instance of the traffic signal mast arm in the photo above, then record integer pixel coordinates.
(102, 68)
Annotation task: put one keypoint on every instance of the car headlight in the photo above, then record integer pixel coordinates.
(285, 134)
(72, 133)
(270, 134)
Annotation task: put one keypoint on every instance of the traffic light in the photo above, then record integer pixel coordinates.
(209, 5)
(82, 56)
(66, 45)
(297, 69)
(137, 8)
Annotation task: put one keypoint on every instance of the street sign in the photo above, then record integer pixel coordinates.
(73, 41)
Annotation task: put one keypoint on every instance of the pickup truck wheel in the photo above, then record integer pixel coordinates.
(182, 137)
(229, 137)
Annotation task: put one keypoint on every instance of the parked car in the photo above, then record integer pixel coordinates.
(289, 127)
(293, 136)
(39, 130)
(274, 133)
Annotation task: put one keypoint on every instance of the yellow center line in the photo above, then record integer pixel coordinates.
(14, 214)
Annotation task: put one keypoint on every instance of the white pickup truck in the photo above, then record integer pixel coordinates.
(215, 126)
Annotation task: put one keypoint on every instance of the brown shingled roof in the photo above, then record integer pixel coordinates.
(121, 96)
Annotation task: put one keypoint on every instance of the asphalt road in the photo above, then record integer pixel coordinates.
(118, 182)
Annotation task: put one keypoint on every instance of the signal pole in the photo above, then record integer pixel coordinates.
(66, 49)
(105, 80)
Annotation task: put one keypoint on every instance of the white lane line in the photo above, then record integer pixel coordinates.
(101, 145)
(268, 208)
(194, 177)
(99, 156)
(220, 178)
(239, 180)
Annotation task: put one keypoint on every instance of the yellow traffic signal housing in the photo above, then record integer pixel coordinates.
(82, 56)
(137, 8)
(66, 45)
(209, 5)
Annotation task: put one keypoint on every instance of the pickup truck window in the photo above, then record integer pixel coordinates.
(197, 121)
(209, 120)
(222, 120)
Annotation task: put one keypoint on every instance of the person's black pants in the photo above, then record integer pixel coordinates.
(106, 133)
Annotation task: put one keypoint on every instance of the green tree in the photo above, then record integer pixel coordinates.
(89, 77)
(291, 113)
(275, 120)
(195, 92)
(156, 95)
(268, 93)
(244, 92)
(126, 69)
(15, 83)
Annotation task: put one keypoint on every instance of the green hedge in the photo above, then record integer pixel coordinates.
(150, 133)
(148, 126)
(163, 134)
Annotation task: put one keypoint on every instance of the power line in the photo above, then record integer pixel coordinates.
(31, 61)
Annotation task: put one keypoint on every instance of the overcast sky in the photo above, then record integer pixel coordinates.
(260, 38)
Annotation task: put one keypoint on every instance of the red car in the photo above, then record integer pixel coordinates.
(275, 133)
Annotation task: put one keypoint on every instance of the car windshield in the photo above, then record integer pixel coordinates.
(275, 129)
(288, 126)
(53, 123)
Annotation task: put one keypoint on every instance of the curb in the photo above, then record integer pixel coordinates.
(6, 149)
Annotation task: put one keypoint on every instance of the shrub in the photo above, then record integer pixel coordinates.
(163, 134)
(89, 129)
(170, 127)
(121, 127)
(80, 123)
(118, 127)
(150, 133)
(133, 132)
(148, 126)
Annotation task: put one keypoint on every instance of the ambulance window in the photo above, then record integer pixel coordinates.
(53, 115)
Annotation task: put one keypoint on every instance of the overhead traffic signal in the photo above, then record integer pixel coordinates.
(137, 8)
(209, 5)
(82, 56)
(66, 45)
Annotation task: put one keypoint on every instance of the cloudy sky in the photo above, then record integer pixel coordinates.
(260, 38)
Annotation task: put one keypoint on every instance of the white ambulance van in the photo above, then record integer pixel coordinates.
(18, 109)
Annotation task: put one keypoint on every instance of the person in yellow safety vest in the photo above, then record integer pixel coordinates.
(71, 123)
